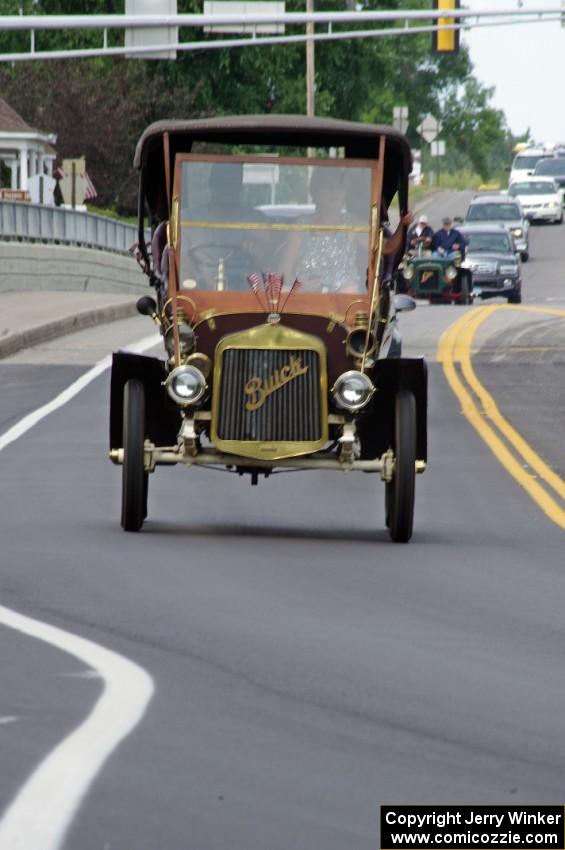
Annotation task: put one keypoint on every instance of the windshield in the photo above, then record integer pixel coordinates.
(493, 212)
(551, 166)
(249, 224)
(496, 242)
(527, 162)
(533, 187)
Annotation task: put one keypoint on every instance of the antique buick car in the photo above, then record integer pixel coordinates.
(273, 280)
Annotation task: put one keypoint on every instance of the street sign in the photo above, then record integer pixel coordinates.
(245, 7)
(437, 148)
(400, 118)
(73, 182)
(429, 128)
(41, 188)
(149, 36)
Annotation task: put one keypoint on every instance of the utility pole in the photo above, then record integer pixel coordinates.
(310, 69)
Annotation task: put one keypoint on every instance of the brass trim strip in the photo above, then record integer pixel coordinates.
(274, 159)
(261, 225)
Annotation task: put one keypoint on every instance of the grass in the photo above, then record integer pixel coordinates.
(110, 213)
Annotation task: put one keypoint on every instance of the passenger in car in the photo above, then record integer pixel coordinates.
(448, 241)
(420, 234)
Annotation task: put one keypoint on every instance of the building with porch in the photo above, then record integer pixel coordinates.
(26, 152)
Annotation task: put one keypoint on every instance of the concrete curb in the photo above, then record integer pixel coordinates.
(20, 340)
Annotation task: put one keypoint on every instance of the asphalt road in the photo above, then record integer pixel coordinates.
(305, 668)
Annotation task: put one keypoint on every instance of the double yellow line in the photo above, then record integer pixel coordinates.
(541, 483)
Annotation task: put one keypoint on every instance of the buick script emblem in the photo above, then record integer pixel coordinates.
(259, 389)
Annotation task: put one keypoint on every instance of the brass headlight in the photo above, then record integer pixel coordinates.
(408, 272)
(450, 273)
(186, 385)
(187, 340)
(355, 342)
(353, 390)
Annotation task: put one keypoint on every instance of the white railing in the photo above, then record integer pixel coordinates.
(35, 223)
(407, 22)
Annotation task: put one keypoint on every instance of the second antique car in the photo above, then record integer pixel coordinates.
(276, 309)
(439, 280)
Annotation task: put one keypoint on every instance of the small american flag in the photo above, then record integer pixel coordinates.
(296, 286)
(90, 192)
(274, 284)
(255, 282)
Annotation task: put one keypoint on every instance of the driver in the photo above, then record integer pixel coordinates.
(218, 253)
(448, 241)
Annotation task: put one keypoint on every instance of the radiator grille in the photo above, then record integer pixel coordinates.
(430, 280)
(291, 413)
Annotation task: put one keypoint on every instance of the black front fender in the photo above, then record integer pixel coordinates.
(162, 416)
(375, 426)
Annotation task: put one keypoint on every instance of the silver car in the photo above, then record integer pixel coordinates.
(502, 209)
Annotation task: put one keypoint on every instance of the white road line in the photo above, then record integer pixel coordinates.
(29, 421)
(44, 807)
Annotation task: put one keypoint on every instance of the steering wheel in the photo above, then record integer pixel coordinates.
(238, 262)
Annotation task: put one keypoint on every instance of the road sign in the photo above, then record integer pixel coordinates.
(148, 36)
(429, 128)
(437, 148)
(400, 118)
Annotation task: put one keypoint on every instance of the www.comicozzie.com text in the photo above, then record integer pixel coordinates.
(472, 819)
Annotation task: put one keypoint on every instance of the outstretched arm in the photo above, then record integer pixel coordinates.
(393, 244)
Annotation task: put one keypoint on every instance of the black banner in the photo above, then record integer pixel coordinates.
(472, 827)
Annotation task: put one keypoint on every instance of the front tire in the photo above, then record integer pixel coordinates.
(465, 293)
(400, 492)
(525, 256)
(134, 477)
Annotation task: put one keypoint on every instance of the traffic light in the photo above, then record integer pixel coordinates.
(446, 40)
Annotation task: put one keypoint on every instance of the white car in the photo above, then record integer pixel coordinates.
(525, 162)
(540, 197)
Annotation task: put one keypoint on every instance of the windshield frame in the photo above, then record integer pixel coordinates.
(374, 165)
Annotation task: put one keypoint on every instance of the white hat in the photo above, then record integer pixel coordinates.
(423, 219)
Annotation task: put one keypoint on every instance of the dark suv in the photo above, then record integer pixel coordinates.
(493, 262)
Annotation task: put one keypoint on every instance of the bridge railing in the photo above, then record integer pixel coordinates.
(36, 223)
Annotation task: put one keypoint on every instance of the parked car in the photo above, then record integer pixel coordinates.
(540, 197)
(553, 168)
(276, 310)
(501, 209)
(493, 262)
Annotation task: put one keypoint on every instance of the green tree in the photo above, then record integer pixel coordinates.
(99, 107)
